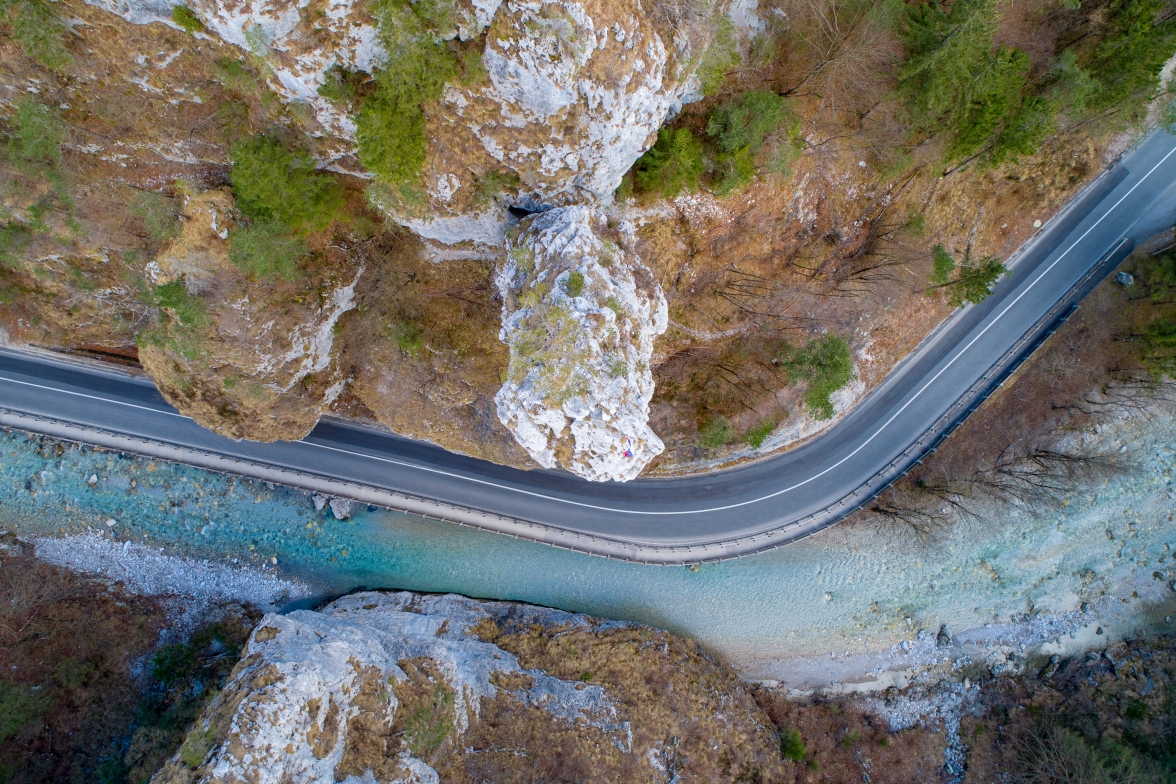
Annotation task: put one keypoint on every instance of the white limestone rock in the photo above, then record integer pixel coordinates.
(580, 316)
(298, 46)
(575, 94)
(315, 690)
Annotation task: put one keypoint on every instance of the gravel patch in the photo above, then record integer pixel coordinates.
(195, 588)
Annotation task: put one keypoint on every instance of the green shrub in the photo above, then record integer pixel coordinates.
(672, 165)
(755, 437)
(390, 124)
(34, 146)
(826, 364)
(975, 282)
(473, 70)
(625, 189)
(346, 88)
(185, 18)
(792, 745)
(735, 172)
(38, 29)
(575, 283)
(1073, 86)
(236, 76)
(1157, 275)
(972, 282)
(492, 185)
(273, 182)
(1138, 37)
(408, 337)
(715, 433)
(158, 213)
(427, 727)
(720, 57)
(916, 224)
(942, 265)
(749, 121)
(19, 707)
(188, 310)
(267, 250)
(1159, 347)
(956, 80)
(14, 237)
(173, 662)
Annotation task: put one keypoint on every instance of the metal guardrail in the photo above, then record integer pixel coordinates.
(648, 553)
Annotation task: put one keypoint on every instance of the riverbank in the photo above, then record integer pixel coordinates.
(926, 721)
(831, 608)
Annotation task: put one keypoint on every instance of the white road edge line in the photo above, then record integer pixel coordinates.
(595, 507)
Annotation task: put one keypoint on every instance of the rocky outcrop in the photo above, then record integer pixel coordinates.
(298, 42)
(572, 94)
(575, 94)
(411, 688)
(580, 315)
(245, 358)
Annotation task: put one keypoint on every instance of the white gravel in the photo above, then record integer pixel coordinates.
(148, 572)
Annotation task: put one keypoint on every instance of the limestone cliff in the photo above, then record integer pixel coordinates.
(248, 358)
(580, 316)
(413, 688)
(574, 95)
(571, 95)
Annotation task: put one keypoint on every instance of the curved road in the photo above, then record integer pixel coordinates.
(684, 520)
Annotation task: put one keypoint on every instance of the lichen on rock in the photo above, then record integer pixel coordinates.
(574, 94)
(401, 687)
(370, 687)
(579, 315)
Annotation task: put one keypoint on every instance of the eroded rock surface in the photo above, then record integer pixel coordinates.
(411, 688)
(299, 42)
(246, 358)
(580, 315)
(575, 94)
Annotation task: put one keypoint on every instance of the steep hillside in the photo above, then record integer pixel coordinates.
(280, 209)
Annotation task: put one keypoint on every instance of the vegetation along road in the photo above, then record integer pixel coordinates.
(683, 520)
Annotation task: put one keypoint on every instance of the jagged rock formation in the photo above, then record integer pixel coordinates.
(580, 315)
(575, 94)
(246, 358)
(411, 688)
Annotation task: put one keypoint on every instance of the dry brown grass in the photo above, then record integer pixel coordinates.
(68, 646)
(842, 742)
(1088, 371)
(701, 720)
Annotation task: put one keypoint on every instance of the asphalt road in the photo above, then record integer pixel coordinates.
(683, 520)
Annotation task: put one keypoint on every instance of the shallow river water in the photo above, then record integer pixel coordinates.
(847, 591)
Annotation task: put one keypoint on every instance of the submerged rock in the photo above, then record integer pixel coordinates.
(411, 688)
(579, 315)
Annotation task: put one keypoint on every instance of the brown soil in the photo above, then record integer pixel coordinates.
(1091, 369)
(68, 647)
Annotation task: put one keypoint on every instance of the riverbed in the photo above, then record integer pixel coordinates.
(836, 606)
